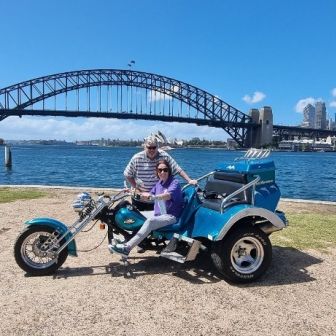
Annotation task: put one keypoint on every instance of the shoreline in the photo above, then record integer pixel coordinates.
(283, 199)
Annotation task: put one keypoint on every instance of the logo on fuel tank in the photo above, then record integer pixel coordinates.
(129, 221)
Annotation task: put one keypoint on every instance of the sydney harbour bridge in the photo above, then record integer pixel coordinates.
(129, 94)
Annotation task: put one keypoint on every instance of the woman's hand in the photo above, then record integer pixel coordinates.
(145, 195)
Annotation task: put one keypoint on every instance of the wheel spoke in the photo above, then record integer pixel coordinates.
(248, 259)
(32, 253)
(248, 246)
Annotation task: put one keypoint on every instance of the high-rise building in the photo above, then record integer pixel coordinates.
(309, 116)
(320, 115)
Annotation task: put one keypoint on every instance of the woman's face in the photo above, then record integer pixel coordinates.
(163, 172)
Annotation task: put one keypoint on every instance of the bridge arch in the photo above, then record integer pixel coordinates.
(33, 97)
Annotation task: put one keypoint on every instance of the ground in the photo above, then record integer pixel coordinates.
(95, 294)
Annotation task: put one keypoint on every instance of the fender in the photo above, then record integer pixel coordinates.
(59, 226)
(273, 218)
(214, 225)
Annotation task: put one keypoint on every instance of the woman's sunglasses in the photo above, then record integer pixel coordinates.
(160, 170)
(151, 147)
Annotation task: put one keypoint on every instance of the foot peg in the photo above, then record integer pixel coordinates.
(181, 249)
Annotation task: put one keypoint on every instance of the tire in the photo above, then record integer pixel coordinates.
(30, 257)
(243, 256)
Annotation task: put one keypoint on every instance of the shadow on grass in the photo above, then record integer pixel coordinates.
(289, 266)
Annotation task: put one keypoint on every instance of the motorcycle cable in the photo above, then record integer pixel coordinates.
(89, 250)
(88, 230)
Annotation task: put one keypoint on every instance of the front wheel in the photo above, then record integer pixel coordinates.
(243, 256)
(31, 251)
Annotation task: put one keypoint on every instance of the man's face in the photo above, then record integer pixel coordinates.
(151, 151)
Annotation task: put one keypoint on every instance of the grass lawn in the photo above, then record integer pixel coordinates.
(308, 231)
(10, 195)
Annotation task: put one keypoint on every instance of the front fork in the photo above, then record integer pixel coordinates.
(73, 230)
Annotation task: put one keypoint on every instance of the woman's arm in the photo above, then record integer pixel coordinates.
(149, 196)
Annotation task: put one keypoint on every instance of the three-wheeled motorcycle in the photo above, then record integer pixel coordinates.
(229, 216)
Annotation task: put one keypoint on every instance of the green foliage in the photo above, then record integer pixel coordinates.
(308, 231)
(10, 195)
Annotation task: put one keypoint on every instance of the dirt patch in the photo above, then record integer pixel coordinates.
(95, 294)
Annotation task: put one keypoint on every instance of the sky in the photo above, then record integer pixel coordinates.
(248, 53)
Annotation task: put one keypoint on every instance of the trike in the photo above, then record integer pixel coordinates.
(228, 216)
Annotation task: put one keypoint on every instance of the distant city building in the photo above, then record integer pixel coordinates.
(309, 116)
(320, 115)
(330, 124)
(307, 145)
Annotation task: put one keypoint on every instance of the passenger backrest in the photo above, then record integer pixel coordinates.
(190, 204)
(223, 183)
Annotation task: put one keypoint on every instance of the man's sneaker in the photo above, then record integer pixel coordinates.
(119, 249)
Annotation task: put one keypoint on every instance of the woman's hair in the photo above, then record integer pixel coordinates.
(166, 163)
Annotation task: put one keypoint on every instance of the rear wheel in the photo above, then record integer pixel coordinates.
(243, 256)
(31, 251)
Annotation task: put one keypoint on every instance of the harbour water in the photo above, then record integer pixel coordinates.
(299, 175)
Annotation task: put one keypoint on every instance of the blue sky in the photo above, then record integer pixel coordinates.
(249, 53)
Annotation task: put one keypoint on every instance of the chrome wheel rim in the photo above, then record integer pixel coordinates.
(247, 255)
(34, 250)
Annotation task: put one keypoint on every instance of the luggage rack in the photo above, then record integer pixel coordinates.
(254, 153)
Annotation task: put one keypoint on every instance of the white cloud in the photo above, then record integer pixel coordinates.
(333, 103)
(255, 98)
(302, 103)
(333, 92)
(71, 129)
(154, 96)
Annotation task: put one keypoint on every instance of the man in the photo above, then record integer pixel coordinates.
(142, 168)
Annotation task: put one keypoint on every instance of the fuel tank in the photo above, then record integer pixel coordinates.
(127, 217)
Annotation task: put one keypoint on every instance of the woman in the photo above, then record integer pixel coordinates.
(168, 203)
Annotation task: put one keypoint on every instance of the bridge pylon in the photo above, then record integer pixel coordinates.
(261, 136)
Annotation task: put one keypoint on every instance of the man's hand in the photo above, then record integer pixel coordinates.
(193, 182)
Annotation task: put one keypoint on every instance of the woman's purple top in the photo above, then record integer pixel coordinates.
(175, 204)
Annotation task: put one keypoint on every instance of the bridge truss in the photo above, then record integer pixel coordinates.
(123, 94)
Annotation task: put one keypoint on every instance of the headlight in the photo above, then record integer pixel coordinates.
(81, 201)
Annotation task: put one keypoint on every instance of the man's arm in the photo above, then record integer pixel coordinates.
(129, 172)
(131, 181)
